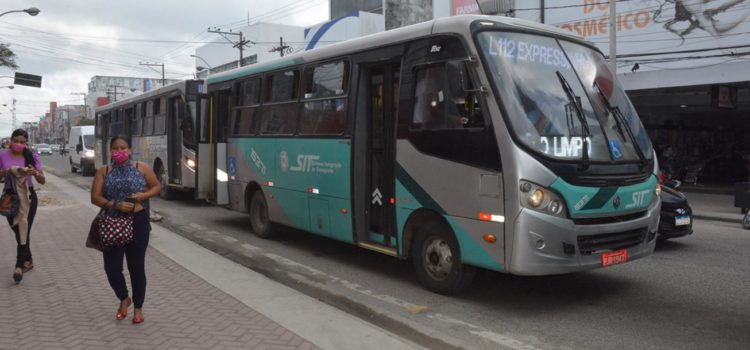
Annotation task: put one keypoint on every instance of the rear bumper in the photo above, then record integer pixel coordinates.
(547, 245)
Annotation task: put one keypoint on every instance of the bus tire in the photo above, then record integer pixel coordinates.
(165, 191)
(260, 222)
(437, 260)
(746, 221)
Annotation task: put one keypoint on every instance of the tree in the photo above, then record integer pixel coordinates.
(7, 57)
(85, 121)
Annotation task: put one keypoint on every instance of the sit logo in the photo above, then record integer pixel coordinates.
(639, 199)
(305, 162)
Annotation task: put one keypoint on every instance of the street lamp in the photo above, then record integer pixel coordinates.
(33, 11)
(204, 61)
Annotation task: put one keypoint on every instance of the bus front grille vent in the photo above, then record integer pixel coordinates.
(594, 244)
(609, 219)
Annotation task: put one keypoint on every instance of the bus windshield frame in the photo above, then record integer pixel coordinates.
(535, 75)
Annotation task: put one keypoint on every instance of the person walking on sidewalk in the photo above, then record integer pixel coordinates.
(22, 165)
(126, 186)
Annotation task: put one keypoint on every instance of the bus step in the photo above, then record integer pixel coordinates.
(379, 249)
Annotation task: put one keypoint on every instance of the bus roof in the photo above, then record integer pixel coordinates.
(451, 24)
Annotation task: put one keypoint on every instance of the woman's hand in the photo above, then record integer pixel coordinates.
(125, 207)
(139, 197)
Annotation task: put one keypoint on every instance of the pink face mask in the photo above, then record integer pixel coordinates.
(120, 157)
(17, 147)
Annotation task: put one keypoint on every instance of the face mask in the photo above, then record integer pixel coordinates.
(120, 157)
(17, 147)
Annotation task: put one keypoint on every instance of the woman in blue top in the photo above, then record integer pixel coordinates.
(126, 186)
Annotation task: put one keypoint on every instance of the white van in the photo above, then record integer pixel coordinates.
(81, 146)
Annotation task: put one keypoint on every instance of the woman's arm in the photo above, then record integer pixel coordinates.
(152, 183)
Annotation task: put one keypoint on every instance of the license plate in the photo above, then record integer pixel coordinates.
(614, 258)
(682, 220)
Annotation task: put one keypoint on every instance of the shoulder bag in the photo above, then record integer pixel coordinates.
(9, 202)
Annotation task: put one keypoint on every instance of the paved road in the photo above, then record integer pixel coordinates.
(692, 293)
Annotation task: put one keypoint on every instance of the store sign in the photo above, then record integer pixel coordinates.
(465, 7)
(649, 26)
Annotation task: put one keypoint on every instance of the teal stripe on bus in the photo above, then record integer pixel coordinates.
(472, 252)
(584, 201)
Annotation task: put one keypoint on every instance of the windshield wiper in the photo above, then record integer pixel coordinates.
(620, 121)
(581, 118)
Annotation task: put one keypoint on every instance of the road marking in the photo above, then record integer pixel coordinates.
(229, 239)
(486, 334)
(250, 247)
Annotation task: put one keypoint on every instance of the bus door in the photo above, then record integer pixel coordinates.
(174, 139)
(220, 128)
(374, 157)
(204, 186)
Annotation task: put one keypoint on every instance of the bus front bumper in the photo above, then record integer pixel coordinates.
(548, 245)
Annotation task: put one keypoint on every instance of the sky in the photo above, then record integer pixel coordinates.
(71, 41)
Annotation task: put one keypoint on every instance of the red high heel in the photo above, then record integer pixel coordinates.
(121, 316)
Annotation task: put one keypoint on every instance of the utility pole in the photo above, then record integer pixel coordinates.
(613, 39)
(240, 44)
(115, 92)
(155, 65)
(13, 110)
(282, 47)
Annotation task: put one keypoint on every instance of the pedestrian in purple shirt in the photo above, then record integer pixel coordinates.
(24, 165)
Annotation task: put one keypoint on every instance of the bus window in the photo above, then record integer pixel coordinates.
(160, 124)
(327, 80)
(439, 104)
(250, 92)
(246, 121)
(279, 119)
(282, 86)
(138, 120)
(325, 117)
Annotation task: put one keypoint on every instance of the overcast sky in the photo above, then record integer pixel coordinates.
(73, 40)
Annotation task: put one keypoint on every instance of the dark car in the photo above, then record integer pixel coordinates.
(676, 215)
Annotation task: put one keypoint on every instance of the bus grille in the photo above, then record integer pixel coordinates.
(609, 219)
(592, 244)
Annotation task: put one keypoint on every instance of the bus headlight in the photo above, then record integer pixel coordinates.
(89, 153)
(541, 199)
(190, 163)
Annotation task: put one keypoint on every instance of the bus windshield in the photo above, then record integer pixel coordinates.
(561, 99)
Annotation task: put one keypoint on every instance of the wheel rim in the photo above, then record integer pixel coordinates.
(258, 214)
(438, 258)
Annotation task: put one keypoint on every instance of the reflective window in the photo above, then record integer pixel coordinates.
(246, 121)
(282, 86)
(441, 100)
(324, 117)
(326, 80)
(250, 92)
(279, 119)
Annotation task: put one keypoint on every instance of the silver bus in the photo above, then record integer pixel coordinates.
(163, 130)
(462, 143)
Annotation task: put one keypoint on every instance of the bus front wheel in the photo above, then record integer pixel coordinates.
(437, 260)
(259, 219)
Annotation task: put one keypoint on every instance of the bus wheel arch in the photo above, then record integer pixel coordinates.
(436, 254)
(257, 209)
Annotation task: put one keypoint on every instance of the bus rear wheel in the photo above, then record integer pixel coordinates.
(437, 260)
(259, 220)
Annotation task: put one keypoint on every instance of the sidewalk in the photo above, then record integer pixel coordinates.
(195, 299)
(717, 206)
